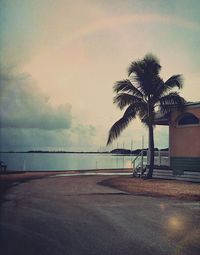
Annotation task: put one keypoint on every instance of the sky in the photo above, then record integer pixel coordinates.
(60, 59)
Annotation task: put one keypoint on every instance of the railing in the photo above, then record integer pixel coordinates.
(140, 154)
(161, 158)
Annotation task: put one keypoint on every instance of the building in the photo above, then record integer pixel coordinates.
(184, 138)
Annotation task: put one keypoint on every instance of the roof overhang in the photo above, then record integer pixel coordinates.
(162, 119)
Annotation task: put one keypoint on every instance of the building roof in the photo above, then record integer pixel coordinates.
(193, 104)
(163, 119)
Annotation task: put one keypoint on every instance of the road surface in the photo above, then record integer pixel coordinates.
(77, 216)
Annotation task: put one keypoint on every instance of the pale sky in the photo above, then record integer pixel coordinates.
(60, 59)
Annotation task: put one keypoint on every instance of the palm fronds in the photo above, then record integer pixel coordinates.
(145, 73)
(121, 124)
(123, 99)
(175, 81)
(126, 86)
(143, 92)
(171, 100)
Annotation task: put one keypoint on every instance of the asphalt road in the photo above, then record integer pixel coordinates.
(76, 216)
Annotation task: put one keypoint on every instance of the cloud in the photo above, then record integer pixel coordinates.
(77, 138)
(30, 122)
(23, 139)
(24, 106)
(76, 54)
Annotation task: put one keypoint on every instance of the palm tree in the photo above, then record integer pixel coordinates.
(142, 95)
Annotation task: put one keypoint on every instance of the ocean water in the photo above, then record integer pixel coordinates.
(64, 161)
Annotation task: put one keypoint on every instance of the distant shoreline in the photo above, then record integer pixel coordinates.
(77, 152)
(115, 151)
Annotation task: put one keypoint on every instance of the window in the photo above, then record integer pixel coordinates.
(188, 119)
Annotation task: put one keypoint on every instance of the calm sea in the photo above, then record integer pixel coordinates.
(64, 161)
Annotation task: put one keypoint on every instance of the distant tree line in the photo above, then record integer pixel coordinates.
(134, 152)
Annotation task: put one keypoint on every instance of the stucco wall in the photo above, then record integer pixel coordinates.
(184, 140)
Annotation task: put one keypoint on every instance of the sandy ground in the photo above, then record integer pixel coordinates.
(136, 186)
(77, 216)
(156, 187)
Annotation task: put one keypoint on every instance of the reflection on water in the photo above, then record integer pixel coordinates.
(64, 161)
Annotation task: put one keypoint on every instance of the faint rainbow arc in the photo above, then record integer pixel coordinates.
(116, 21)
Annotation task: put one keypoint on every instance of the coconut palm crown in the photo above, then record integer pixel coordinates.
(142, 95)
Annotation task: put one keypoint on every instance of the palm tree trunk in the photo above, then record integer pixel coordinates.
(151, 152)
